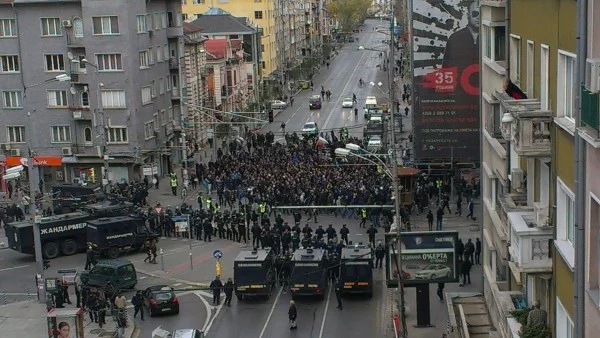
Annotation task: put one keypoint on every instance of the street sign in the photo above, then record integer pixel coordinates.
(181, 223)
(157, 210)
(217, 254)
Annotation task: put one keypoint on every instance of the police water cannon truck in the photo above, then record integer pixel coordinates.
(60, 234)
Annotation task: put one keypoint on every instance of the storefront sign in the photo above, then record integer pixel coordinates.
(38, 161)
(150, 169)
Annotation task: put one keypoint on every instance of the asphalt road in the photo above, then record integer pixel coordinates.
(342, 78)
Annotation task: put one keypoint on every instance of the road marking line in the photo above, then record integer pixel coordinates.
(208, 310)
(177, 284)
(326, 308)
(262, 333)
(142, 277)
(212, 320)
(14, 268)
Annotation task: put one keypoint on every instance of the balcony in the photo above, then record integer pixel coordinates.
(590, 117)
(78, 76)
(530, 243)
(75, 42)
(81, 113)
(530, 128)
(508, 203)
(174, 63)
(174, 32)
(175, 94)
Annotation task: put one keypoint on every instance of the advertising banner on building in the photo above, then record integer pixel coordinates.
(427, 257)
(445, 91)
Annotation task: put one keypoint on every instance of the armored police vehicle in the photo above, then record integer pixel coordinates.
(254, 273)
(113, 236)
(356, 270)
(60, 234)
(71, 197)
(309, 273)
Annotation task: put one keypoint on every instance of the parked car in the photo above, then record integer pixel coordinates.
(310, 128)
(160, 299)
(347, 102)
(374, 142)
(277, 104)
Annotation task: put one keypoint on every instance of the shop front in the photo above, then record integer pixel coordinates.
(47, 171)
(91, 170)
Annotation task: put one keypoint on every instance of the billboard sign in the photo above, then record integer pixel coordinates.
(445, 91)
(427, 257)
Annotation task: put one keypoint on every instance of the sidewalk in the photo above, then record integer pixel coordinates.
(28, 319)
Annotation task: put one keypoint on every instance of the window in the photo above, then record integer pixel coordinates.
(184, 2)
(87, 135)
(564, 324)
(162, 116)
(61, 134)
(170, 114)
(78, 27)
(493, 116)
(54, 63)
(566, 83)
(51, 27)
(166, 52)
(105, 25)
(494, 43)
(171, 19)
(150, 56)
(168, 83)
(8, 28)
(257, 0)
(144, 59)
(109, 62)
(146, 95)
(149, 129)
(515, 59)
(258, 14)
(157, 21)
(9, 64)
(544, 68)
(153, 88)
(149, 26)
(15, 134)
(85, 99)
(12, 99)
(175, 81)
(159, 54)
(530, 67)
(57, 98)
(161, 86)
(113, 99)
(264, 65)
(117, 135)
(184, 16)
(163, 19)
(198, 2)
(565, 221)
(141, 23)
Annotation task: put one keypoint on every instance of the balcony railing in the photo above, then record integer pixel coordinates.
(73, 41)
(530, 242)
(530, 130)
(590, 110)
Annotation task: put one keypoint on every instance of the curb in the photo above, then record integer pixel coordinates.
(178, 280)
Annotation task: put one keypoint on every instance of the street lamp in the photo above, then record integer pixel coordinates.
(33, 183)
(99, 85)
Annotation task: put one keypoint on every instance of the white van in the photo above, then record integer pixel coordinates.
(370, 103)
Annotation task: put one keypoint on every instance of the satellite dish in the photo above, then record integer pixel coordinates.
(70, 55)
(73, 90)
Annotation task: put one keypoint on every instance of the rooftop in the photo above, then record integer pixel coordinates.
(216, 48)
(225, 24)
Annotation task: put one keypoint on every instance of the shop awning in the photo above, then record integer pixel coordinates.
(97, 160)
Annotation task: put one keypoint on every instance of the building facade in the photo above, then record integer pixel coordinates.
(195, 78)
(262, 14)
(121, 98)
(527, 99)
(591, 135)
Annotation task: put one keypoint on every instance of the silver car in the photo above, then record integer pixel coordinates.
(277, 104)
(347, 102)
(310, 128)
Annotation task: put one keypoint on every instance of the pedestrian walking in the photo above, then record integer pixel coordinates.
(379, 255)
(440, 291)
(293, 315)
(228, 289)
(173, 181)
(465, 270)
(371, 232)
(430, 220)
(216, 285)
(440, 216)
(137, 302)
(471, 208)
(477, 251)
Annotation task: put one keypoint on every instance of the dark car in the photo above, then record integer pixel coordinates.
(160, 299)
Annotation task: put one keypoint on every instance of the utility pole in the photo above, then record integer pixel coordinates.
(391, 72)
(580, 164)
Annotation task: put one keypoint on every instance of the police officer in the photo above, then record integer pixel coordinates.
(173, 180)
(379, 255)
(338, 294)
(262, 208)
(216, 285)
(320, 232)
(207, 230)
(363, 218)
(228, 289)
(344, 231)
(199, 200)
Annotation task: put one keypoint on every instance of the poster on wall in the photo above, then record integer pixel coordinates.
(69, 325)
(446, 79)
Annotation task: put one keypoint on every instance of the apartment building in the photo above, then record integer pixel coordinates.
(260, 13)
(290, 35)
(194, 58)
(527, 100)
(591, 134)
(83, 79)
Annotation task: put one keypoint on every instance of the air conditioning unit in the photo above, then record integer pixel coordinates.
(77, 114)
(15, 152)
(516, 178)
(67, 151)
(592, 75)
(5, 146)
(67, 23)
